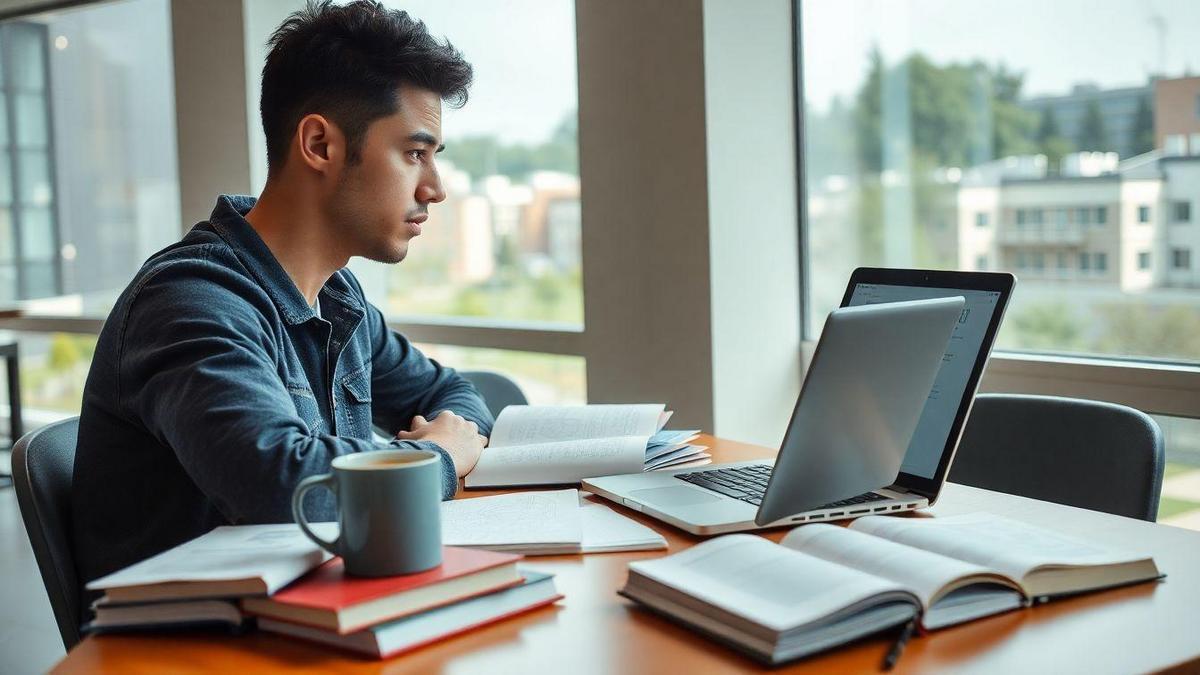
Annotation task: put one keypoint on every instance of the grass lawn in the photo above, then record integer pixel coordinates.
(1169, 506)
(1173, 469)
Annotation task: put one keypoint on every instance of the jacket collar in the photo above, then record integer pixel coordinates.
(228, 219)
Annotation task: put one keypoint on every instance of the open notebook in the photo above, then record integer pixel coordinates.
(549, 445)
(825, 585)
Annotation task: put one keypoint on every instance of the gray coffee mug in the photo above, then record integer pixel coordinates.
(389, 510)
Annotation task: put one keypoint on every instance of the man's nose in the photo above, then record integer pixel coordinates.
(431, 190)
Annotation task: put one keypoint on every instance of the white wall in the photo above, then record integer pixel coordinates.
(1138, 237)
(210, 103)
(1182, 184)
(752, 210)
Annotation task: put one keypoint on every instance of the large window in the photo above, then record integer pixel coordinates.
(29, 246)
(88, 176)
(112, 135)
(1043, 114)
(506, 242)
(1071, 126)
(89, 183)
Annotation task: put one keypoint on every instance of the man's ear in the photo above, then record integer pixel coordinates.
(322, 144)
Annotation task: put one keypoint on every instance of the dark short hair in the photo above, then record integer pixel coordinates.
(347, 62)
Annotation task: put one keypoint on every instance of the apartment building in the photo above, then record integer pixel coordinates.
(1127, 225)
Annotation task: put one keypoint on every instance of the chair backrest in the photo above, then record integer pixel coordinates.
(43, 467)
(1093, 455)
(497, 390)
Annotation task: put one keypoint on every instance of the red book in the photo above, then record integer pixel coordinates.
(329, 598)
(390, 638)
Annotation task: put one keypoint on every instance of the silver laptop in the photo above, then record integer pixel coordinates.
(856, 444)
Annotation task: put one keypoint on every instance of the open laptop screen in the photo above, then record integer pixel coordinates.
(936, 437)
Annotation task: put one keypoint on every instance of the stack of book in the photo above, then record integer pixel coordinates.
(385, 616)
(200, 581)
(272, 576)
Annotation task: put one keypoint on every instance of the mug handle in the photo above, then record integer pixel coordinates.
(305, 485)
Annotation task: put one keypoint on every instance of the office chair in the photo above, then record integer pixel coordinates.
(43, 468)
(1090, 454)
(497, 390)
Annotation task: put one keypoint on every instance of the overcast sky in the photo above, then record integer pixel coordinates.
(524, 50)
(1056, 43)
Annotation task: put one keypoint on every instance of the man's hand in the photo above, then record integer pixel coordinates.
(459, 437)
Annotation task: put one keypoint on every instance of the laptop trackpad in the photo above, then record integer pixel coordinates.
(674, 496)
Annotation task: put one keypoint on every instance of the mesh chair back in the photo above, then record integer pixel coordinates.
(497, 390)
(1093, 455)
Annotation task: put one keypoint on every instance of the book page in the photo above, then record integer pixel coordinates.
(924, 572)
(1007, 546)
(607, 530)
(547, 517)
(766, 583)
(277, 554)
(525, 424)
(557, 463)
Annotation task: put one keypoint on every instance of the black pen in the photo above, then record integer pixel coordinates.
(893, 654)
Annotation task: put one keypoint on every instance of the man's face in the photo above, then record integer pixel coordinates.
(382, 200)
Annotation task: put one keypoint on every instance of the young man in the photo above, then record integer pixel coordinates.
(245, 357)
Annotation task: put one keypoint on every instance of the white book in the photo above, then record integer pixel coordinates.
(543, 523)
(548, 445)
(825, 585)
(1042, 562)
(229, 561)
(164, 614)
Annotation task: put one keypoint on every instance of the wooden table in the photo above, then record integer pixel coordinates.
(1136, 629)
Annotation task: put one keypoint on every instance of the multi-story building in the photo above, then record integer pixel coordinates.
(1177, 116)
(551, 226)
(1098, 222)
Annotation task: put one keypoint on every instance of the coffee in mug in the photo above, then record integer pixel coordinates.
(389, 510)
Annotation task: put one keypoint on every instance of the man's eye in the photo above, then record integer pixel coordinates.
(417, 154)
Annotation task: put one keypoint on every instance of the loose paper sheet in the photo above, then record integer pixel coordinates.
(548, 517)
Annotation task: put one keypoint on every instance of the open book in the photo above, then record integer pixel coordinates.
(825, 585)
(549, 445)
(229, 561)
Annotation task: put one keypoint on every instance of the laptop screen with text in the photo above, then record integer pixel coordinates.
(946, 400)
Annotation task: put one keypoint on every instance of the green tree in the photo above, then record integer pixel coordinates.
(951, 109)
(1139, 330)
(1143, 127)
(1092, 135)
(64, 352)
(1012, 125)
(1049, 326)
(483, 156)
(955, 115)
(1050, 140)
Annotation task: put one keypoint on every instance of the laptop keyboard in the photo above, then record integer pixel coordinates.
(749, 483)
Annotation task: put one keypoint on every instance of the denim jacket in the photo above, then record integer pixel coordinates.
(215, 388)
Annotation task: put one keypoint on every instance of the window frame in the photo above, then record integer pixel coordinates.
(16, 208)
